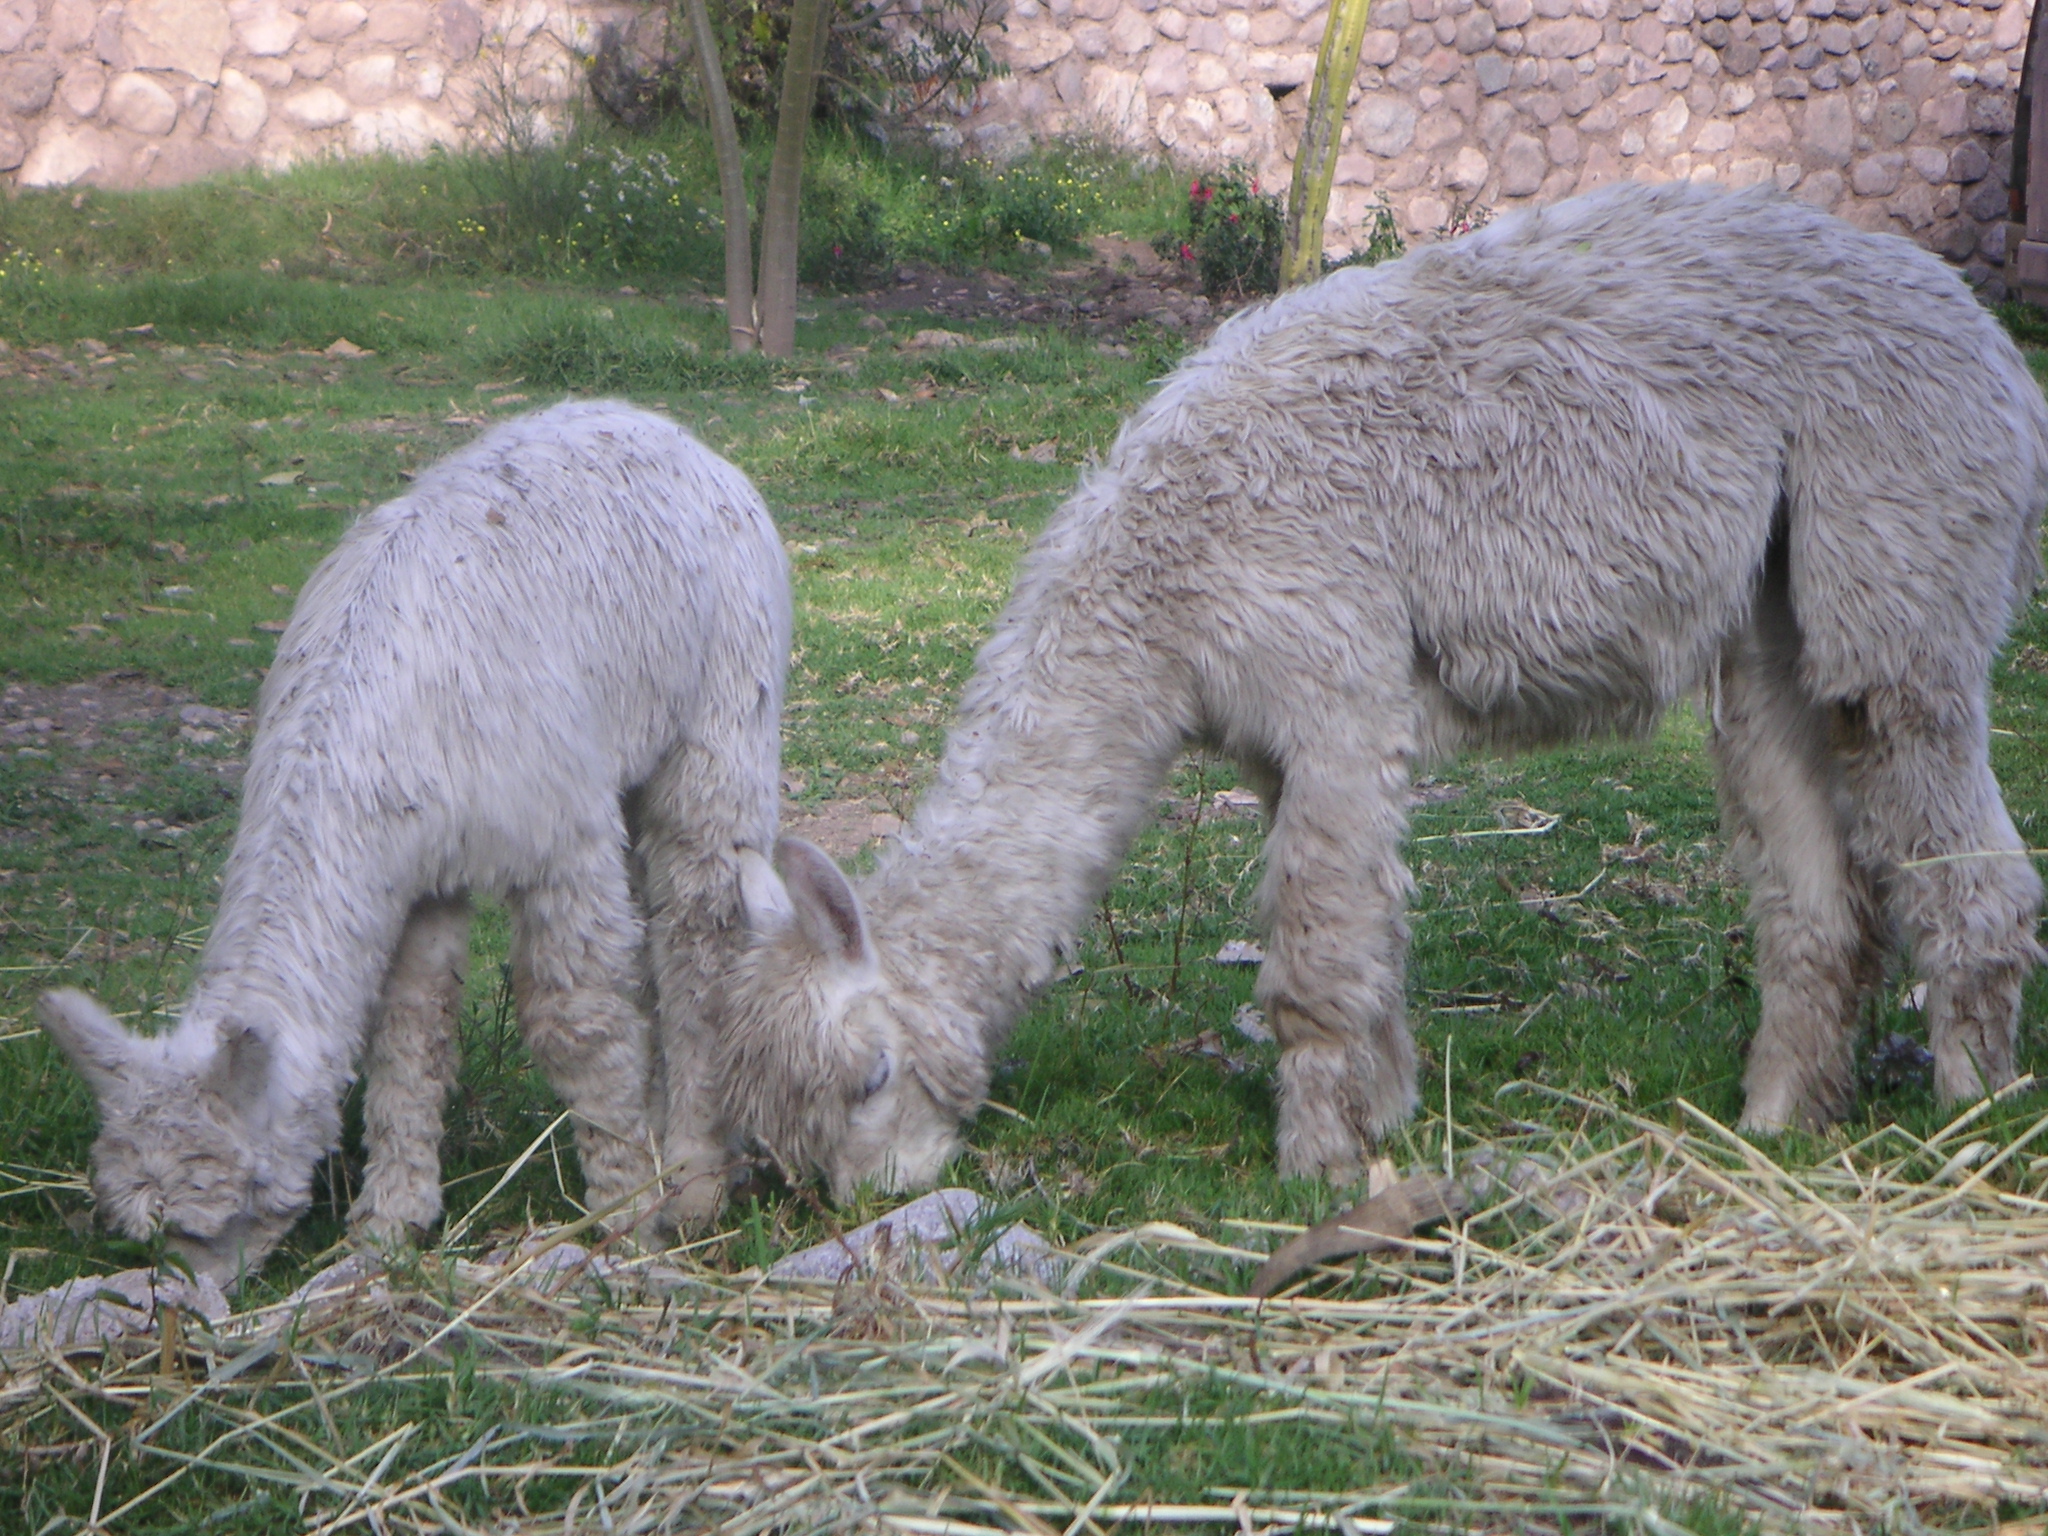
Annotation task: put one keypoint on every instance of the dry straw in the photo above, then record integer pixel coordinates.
(1640, 1317)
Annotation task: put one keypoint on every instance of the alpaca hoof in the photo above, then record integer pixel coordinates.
(389, 1237)
(1773, 1117)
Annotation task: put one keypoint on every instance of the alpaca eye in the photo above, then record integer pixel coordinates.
(878, 1077)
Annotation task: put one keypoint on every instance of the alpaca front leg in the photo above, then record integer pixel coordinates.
(410, 1067)
(700, 808)
(1336, 943)
(575, 976)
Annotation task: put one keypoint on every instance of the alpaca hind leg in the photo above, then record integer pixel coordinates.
(1336, 943)
(410, 1067)
(1960, 885)
(575, 978)
(1783, 811)
(691, 820)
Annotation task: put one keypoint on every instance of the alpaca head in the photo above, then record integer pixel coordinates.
(825, 1061)
(187, 1145)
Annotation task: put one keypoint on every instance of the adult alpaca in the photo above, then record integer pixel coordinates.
(564, 646)
(1519, 488)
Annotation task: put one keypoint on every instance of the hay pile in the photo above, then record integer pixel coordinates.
(1638, 1318)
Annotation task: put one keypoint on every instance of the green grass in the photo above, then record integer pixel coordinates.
(138, 538)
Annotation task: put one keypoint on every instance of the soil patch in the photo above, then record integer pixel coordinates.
(1122, 284)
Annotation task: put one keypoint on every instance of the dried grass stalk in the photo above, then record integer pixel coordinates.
(1639, 1317)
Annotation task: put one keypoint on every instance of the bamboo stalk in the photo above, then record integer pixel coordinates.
(1322, 134)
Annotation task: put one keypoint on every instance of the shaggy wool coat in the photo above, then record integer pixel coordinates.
(1522, 487)
(551, 671)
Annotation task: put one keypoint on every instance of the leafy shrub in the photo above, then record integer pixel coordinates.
(23, 281)
(1232, 235)
(842, 241)
(634, 213)
(1382, 241)
(2026, 323)
(974, 212)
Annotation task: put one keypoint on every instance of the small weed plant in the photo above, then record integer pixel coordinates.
(1231, 234)
(635, 213)
(1381, 238)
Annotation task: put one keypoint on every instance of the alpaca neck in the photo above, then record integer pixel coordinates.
(1038, 797)
(308, 919)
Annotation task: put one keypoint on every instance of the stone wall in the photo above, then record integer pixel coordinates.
(1895, 114)
(155, 92)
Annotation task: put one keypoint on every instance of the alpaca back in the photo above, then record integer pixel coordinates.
(1557, 451)
(534, 624)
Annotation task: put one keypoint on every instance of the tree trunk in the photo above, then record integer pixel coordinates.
(1315, 158)
(740, 328)
(809, 25)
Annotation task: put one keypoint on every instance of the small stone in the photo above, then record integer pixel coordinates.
(332, 20)
(462, 29)
(320, 107)
(1475, 32)
(240, 108)
(925, 1241)
(61, 157)
(26, 85)
(268, 32)
(1878, 175)
(1828, 130)
(136, 102)
(97, 1309)
(1522, 166)
(1969, 162)
(1383, 124)
(400, 24)
(188, 35)
(1251, 1023)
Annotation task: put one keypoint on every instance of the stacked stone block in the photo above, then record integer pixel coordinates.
(155, 92)
(1895, 114)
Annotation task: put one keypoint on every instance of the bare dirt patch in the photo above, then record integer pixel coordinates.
(842, 828)
(106, 714)
(1121, 284)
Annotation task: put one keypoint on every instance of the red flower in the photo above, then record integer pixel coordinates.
(1255, 188)
(1187, 252)
(838, 251)
(1230, 218)
(1200, 193)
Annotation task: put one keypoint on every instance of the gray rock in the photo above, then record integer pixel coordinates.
(1383, 124)
(1828, 132)
(1969, 162)
(26, 85)
(95, 1310)
(924, 1238)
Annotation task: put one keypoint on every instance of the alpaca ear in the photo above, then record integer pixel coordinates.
(824, 903)
(763, 896)
(91, 1038)
(240, 1071)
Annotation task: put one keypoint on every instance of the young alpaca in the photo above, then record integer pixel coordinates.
(564, 646)
(1514, 489)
